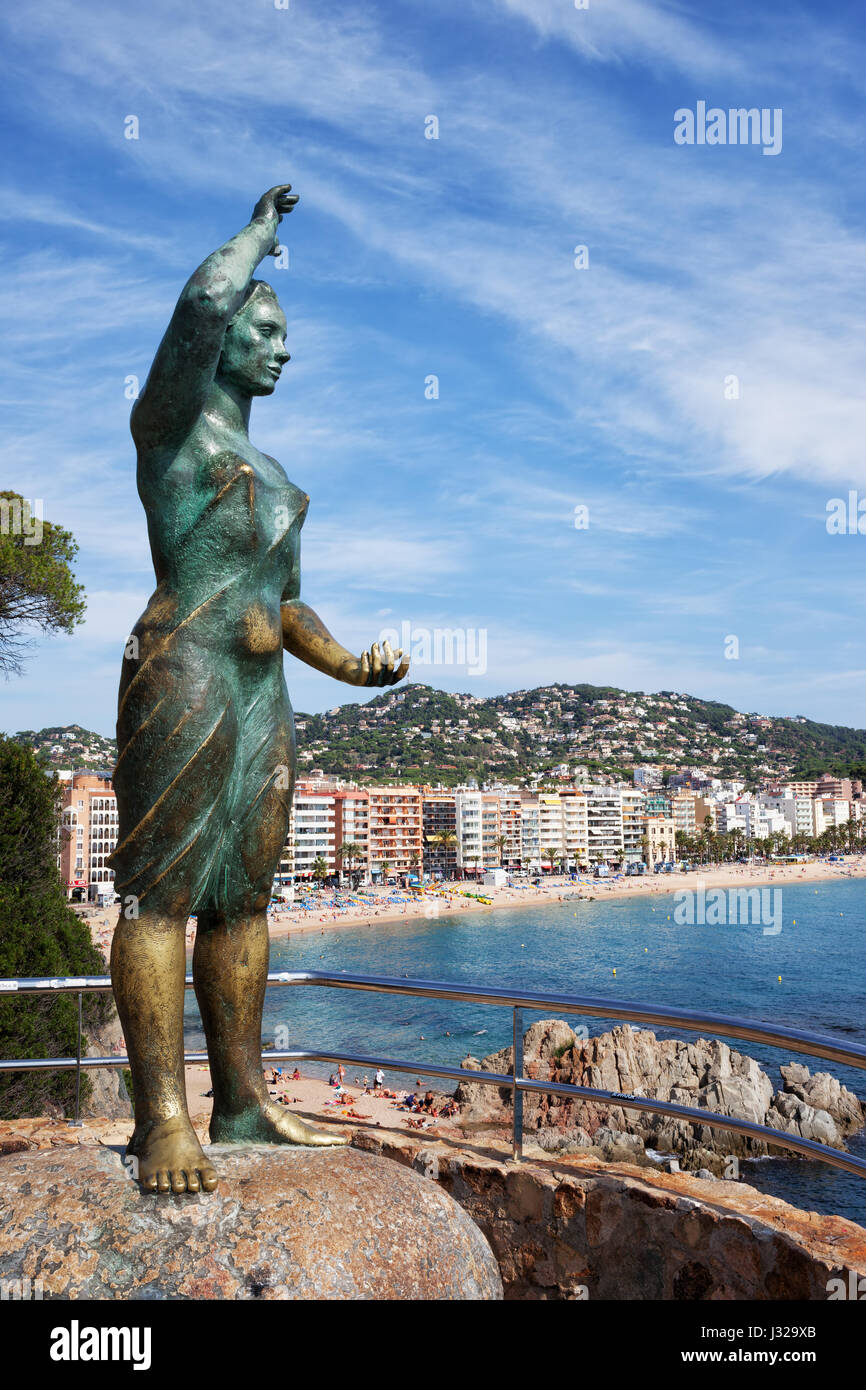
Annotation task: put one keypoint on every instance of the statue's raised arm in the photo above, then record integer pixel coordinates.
(186, 360)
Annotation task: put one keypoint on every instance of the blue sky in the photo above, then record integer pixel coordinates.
(409, 257)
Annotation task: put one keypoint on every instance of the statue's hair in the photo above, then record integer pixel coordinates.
(255, 288)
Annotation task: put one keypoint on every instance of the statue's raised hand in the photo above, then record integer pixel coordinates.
(275, 204)
(375, 667)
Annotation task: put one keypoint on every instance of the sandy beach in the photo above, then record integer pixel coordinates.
(394, 905)
(313, 1099)
(288, 922)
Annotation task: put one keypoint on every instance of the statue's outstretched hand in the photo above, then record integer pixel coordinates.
(276, 203)
(376, 667)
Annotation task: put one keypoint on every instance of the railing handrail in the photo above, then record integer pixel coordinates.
(629, 1011)
(854, 1054)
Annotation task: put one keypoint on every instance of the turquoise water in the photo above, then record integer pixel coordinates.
(575, 947)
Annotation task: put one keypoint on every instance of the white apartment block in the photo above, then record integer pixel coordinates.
(530, 842)
(312, 834)
(510, 822)
(467, 807)
(491, 831)
(828, 812)
(604, 823)
(796, 810)
(634, 821)
(575, 830)
(551, 827)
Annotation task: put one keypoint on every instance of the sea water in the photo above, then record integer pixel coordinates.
(575, 947)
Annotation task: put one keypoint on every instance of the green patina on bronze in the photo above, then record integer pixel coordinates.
(206, 753)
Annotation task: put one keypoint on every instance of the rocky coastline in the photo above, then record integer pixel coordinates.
(704, 1074)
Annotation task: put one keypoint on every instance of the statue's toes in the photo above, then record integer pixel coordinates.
(209, 1178)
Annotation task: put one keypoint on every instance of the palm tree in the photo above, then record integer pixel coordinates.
(349, 852)
(501, 841)
(386, 869)
(443, 840)
(552, 854)
(320, 869)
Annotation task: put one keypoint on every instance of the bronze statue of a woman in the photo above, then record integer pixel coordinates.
(205, 737)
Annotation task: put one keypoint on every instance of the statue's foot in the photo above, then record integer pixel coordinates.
(170, 1158)
(267, 1123)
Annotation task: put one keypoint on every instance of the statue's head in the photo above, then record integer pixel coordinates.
(254, 347)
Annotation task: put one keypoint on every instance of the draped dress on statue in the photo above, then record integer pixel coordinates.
(205, 733)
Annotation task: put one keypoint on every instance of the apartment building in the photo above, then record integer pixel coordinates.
(729, 817)
(657, 803)
(840, 788)
(467, 812)
(88, 834)
(604, 824)
(661, 840)
(530, 840)
(828, 811)
(634, 820)
(647, 776)
(551, 828)
(439, 815)
(684, 811)
(510, 822)
(491, 830)
(575, 829)
(797, 811)
(395, 830)
(312, 834)
(352, 827)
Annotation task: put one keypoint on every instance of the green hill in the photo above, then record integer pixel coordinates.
(416, 733)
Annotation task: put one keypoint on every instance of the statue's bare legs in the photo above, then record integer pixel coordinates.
(148, 966)
(230, 968)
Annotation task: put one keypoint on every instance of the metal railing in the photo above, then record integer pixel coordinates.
(731, 1026)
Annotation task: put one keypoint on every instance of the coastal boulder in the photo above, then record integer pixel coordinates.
(285, 1223)
(705, 1074)
(794, 1116)
(823, 1092)
(543, 1044)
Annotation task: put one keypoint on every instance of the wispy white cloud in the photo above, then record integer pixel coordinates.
(642, 31)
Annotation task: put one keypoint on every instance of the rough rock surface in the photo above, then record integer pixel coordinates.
(704, 1074)
(580, 1228)
(284, 1223)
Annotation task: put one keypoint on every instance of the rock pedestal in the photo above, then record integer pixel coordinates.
(284, 1223)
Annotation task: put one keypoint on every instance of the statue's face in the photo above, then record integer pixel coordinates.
(254, 348)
